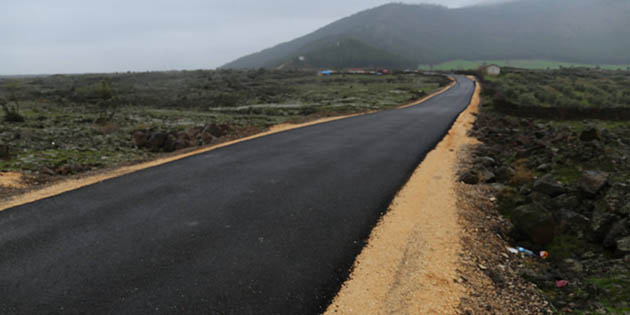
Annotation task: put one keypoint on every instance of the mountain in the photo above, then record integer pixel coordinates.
(404, 35)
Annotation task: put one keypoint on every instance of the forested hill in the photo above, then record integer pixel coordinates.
(403, 35)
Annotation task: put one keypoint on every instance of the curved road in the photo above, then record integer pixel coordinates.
(266, 226)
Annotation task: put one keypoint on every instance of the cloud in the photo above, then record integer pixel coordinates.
(71, 36)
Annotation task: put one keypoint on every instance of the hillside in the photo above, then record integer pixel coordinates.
(577, 31)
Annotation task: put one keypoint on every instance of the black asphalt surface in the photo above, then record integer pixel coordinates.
(266, 226)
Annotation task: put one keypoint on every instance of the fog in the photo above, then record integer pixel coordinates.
(77, 36)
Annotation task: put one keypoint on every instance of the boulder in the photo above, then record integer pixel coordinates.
(471, 177)
(216, 129)
(181, 144)
(207, 138)
(193, 132)
(566, 201)
(623, 245)
(548, 185)
(540, 198)
(591, 133)
(535, 222)
(486, 175)
(504, 173)
(47, 171)
(593, 181)
(170, 143)
(5, 152)
(573, 223)
(616, 199)
(63, 170)
(545, 167)
(618, 231)
(602, 221)
(156, 141)
(140, 138)
(485, 161)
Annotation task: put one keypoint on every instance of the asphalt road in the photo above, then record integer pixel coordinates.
(266, 226)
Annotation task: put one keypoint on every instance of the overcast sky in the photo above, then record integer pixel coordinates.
(75, 36)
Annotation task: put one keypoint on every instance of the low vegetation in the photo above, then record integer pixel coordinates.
(532, 64)
(68, 124)
(565, 94)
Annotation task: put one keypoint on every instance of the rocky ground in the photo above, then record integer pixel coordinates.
(561, 188)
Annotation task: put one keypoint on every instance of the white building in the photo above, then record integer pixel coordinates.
(491, 70)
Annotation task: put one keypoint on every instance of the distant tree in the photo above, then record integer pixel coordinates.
(11, 105)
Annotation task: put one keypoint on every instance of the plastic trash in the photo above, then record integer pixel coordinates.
(562, 283)
(526, 252)
(512, 250)
(544, 254)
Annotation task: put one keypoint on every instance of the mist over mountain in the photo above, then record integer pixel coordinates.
(405, 36)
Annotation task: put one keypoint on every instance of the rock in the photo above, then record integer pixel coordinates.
(64, 170)
(535, 222)
(207, 138)
(193, 132)
(156, 141)
(485, 161)
(616, 199)
(504, 173)
(496, 277)
(170, 143)
(623, 245)
(545, 167)
(216, 130)
(618, 231)
(601, 221)
(539, 198)
(548, 185)
(591, 133)
(140, 138)
(5, 152)
(47, 171)
(471, 177)
(486, 176)
(593, 181)
(573, 265)
(566, 201)
(181, 144)
(573, 223)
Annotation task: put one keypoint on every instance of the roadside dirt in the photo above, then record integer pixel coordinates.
(410, 264)
(11, 180)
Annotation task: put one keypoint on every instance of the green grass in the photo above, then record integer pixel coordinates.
(615, 292)
(516, 63)
(568, 174)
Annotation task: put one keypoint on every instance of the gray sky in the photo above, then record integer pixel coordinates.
(74, 36)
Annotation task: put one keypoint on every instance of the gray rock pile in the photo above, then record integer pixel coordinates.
(159, 141)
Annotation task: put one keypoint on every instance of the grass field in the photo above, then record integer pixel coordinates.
(565, 88)
(69, 124)
(521, 63)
